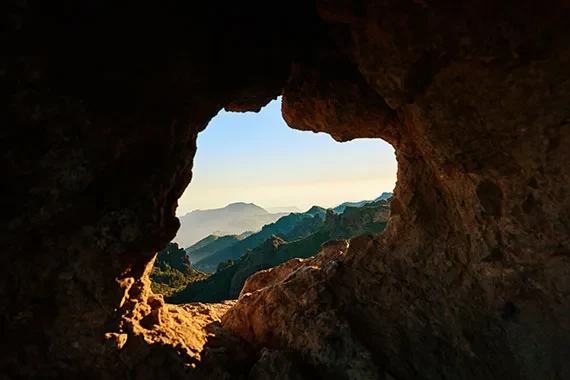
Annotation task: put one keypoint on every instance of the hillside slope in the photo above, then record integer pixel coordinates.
(281, 227)
(228, 281)
(340, 208)
(214, 245)
(383, 197)
(172, 271)
(202, 243)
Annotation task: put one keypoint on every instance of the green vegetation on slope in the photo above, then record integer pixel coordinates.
(214, 245)
(172, 271)
(228, 281)
(202, 243)
(304, 228)
(281, 227)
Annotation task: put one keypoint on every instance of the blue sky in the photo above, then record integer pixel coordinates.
(256, 157)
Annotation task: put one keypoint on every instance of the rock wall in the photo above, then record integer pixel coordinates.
(470, 279)
(101, 106)
(100, 110)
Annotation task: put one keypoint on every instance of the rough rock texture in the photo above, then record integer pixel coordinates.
(300, 298)
(471, 277)
(155, 340)
(271, 276)
(101, 105)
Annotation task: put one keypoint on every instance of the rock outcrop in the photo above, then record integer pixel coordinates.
(101, 106)
(172, 271)
(173, 257)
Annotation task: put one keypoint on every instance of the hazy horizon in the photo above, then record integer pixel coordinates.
(274, 209)
(256, 158)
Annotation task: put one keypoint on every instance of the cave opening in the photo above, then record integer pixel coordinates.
(470, 279)
(262, 194)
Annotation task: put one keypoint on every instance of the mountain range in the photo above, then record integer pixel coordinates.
(238, 219)
(295, 235)
(180, 274)
(206, 259)
(234, 219)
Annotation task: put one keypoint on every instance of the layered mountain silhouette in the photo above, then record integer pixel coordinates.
(210, 245)
(234, 257)
(219, 245)
(207, 258)
(295, 235)
(234, 219)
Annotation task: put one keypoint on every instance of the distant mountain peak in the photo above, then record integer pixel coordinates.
(240, 204)
(243, 205)
(384, 196)
(230, 206)
(234, 218)
(316, 210)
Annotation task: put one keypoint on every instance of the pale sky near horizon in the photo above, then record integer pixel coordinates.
(256, 158)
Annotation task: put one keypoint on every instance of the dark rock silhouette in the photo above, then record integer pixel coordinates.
(101, 106)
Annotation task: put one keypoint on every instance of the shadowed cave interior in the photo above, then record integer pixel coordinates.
(101, 106)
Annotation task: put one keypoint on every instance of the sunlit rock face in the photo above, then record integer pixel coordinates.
(471, 279)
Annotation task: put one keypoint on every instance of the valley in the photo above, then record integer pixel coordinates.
(216, 267)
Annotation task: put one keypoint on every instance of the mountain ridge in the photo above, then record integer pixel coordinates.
(233, 246)
(283, 225)
(234, 219)
(340, 208)
(231, 275)
(215, 244)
